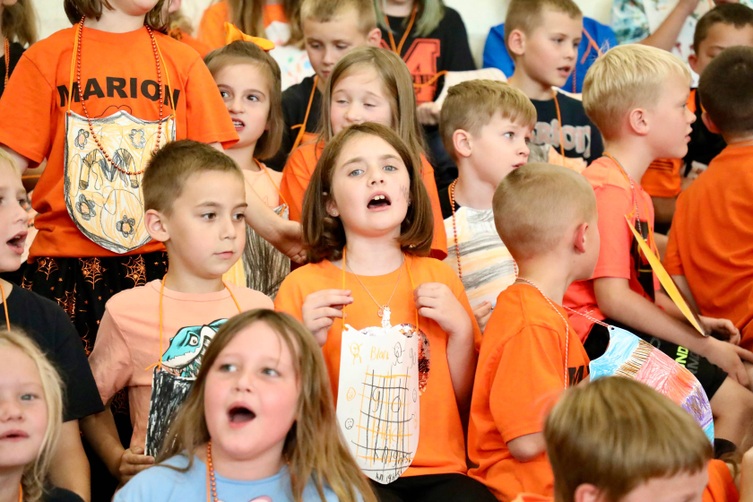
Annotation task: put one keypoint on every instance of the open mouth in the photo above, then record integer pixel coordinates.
(238, 124)
(15, 434)
(378, 201)
(17, 242)
(240, 415)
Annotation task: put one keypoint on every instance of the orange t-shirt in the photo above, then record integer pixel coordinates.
(200, 47)
(520, 374)
(711, 242)
(120, 87)
(618, 255)
(301, 165)
(441, 448)
(212, 24)
(663, 177)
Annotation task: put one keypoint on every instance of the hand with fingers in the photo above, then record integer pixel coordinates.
(321, 308)
(436, 301)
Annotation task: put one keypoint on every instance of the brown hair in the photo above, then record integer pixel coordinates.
(627, 77)
(19, 22)
(35, 473)
(725, 92)
(324, 235)
(314, 447)
(526, 15)
(430, 14)
(240, 52)
(471, 105)
(397, 82)
(323, 11)
(536, 204)
(76, 9)
(733, 14)
(174, 164)
(248, 16)
(620, 433)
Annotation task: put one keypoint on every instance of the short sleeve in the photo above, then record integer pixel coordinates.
(26, 111)
(295, 179)
(212, 26)
(629, 21)
(614, 255)
(495, 51)
(672, 261)
(110, 359)
(458, 51)
(208, 120)
(289, 298)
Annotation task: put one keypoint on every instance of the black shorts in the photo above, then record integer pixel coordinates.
(433, 487)
(708, 374)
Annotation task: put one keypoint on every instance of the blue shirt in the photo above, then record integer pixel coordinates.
(161, 484)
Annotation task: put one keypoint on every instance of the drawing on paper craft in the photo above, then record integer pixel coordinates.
(383, 371)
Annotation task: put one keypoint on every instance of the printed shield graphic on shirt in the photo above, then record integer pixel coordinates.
(383, 371)
(173, 381)
(105, 200)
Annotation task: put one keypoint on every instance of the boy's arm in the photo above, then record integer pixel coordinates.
(617, 301)
(69, 467)
(100, 431)
(721, 328)
(528, 447)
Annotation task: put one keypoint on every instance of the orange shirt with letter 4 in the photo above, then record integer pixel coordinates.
(301, 165)
(119, 75)
(711, 242)
(441, 448)
(619, 256)
(526, 348)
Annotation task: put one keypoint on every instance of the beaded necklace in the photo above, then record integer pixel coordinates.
(6, 43)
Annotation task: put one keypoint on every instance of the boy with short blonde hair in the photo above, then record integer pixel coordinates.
(485, 126)
(152, 338)
(529, 353)
(542, 37)
(331, 28)
(636, 95)
(709, 246)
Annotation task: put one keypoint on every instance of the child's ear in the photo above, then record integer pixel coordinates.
(332, 208)
(155, 225)
(374, 37)
(586, 493)
(579, 238)
(709, 123)
(693, 62)
(461, 141)
(638, 121)
(516, 43)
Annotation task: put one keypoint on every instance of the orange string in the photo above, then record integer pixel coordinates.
(6, 43)
(399, 48)
(559, 119)
(302, 130)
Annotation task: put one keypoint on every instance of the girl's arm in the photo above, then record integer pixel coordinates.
(99, 430)
(69, 467)
(436, 301)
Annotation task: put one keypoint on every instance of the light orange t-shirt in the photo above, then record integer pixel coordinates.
(212, 24)
(711, 242)
(618, 254)
(441, 448)
(520, 373)
(119, 77)
(128, 342)
(301, 165)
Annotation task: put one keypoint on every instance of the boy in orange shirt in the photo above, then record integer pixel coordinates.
(542, 37)
(152, 338)
(636, 95)
(619, 440)
(331, 28)
(709, 253)
(529, 353)
(726, 25)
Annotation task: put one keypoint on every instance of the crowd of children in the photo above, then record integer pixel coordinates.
(414, 301)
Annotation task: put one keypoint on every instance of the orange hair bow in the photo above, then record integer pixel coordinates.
(232, 34)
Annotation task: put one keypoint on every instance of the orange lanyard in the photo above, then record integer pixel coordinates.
(591, 45)
(264, 169)
(302, 131)
(397, 49)
(561, 125)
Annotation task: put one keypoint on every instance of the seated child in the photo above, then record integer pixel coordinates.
(249, 82)
(368, 84)
(709, 251)
(636, 95)
(485, 126)
(726, 25)
(543, 37)
(367, 222)
(617, 439)
(31, 410)
(47, 324)
(331, 28)
(154, 336)
(547, 216)
(258, 425)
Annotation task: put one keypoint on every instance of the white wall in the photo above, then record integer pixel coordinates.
(479, 15)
